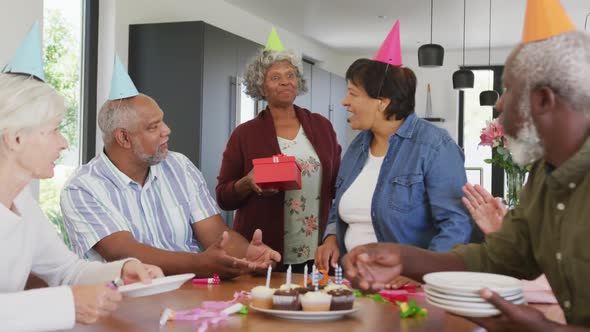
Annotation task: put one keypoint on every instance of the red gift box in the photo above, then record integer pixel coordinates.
(278, 172)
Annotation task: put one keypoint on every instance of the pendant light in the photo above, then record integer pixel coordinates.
(489, 97)
(431, 55)
(463, 78)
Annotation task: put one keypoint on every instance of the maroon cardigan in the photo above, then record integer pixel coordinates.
(257, 138)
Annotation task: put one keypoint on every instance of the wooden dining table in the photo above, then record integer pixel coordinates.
(143, 314)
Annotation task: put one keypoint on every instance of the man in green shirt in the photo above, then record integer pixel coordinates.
(546, 113)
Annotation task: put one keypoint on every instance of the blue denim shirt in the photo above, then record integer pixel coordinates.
(417, 200)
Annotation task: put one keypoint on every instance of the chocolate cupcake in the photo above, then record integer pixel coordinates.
(286, 299)
(303, 290)
(331, 287)
(342, 299)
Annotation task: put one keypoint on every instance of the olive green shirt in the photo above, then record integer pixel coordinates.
(549, 232)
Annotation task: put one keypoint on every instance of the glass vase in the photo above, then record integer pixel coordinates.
(514, 183)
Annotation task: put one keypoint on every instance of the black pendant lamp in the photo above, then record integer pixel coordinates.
(431, 55)
(489, 97)
(463, 78)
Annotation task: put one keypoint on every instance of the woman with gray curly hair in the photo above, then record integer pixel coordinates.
(295, 218)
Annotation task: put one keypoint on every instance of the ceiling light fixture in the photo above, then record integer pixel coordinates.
(463, 78)
(489, 97)
(431, 55)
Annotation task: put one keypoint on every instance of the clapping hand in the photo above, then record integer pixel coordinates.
(401, 281)
(487, 211)
(370, 267)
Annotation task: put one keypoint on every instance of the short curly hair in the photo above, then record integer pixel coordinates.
(257, 68)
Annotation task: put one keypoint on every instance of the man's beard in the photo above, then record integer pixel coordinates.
(527, 146)
(151, 160)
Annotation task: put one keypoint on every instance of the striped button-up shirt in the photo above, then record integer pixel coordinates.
(99, 200)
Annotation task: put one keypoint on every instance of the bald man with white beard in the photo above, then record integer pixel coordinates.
(546, 113)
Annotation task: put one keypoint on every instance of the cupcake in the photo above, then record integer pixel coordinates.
(292, 286)
(332, 287)
(262, 297)
(303, 290)
(286, 299)
(316, 301)
(342, 299)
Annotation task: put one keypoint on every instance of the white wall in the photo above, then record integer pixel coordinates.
(16, 18)
(445, 100)
(106, 51)
(115, 17)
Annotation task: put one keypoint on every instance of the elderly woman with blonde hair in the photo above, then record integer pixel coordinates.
(30, 143)
(296, 218)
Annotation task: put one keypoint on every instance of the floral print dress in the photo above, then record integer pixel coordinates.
(302, 207)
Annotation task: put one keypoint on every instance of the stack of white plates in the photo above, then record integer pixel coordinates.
(458, 292)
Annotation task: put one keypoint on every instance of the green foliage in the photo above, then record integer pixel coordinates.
(62, 71)
(49, 197)
(502, 158)
(515, 174)
(62, 68)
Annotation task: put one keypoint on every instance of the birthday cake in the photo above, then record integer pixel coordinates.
(333, 296)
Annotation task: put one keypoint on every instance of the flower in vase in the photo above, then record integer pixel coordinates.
(493, 136)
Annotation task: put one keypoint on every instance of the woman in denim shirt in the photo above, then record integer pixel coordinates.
(401, 178)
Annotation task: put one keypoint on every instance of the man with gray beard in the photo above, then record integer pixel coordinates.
(137, 199)
(546, 113)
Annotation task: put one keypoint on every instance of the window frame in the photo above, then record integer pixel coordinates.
(89, 77)
(497, 171)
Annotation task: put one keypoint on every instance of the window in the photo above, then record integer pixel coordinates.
(70, 41)
(62, 45)
(472, 118)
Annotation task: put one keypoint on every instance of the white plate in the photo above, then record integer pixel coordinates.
(467, 312)
(459, 283)
(308, 315)
(429, 290)
(474, 305)
(474, 293)
(157, 286)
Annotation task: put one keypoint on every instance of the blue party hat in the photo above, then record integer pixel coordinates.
(28, 58)
(121, 84)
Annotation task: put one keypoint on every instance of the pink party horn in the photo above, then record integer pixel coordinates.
(207, 281)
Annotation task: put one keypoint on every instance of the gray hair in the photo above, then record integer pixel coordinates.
(561, 63)
(26, 102)
(115, 114)
(256, 70)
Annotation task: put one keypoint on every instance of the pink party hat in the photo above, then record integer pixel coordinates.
(390, 51)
